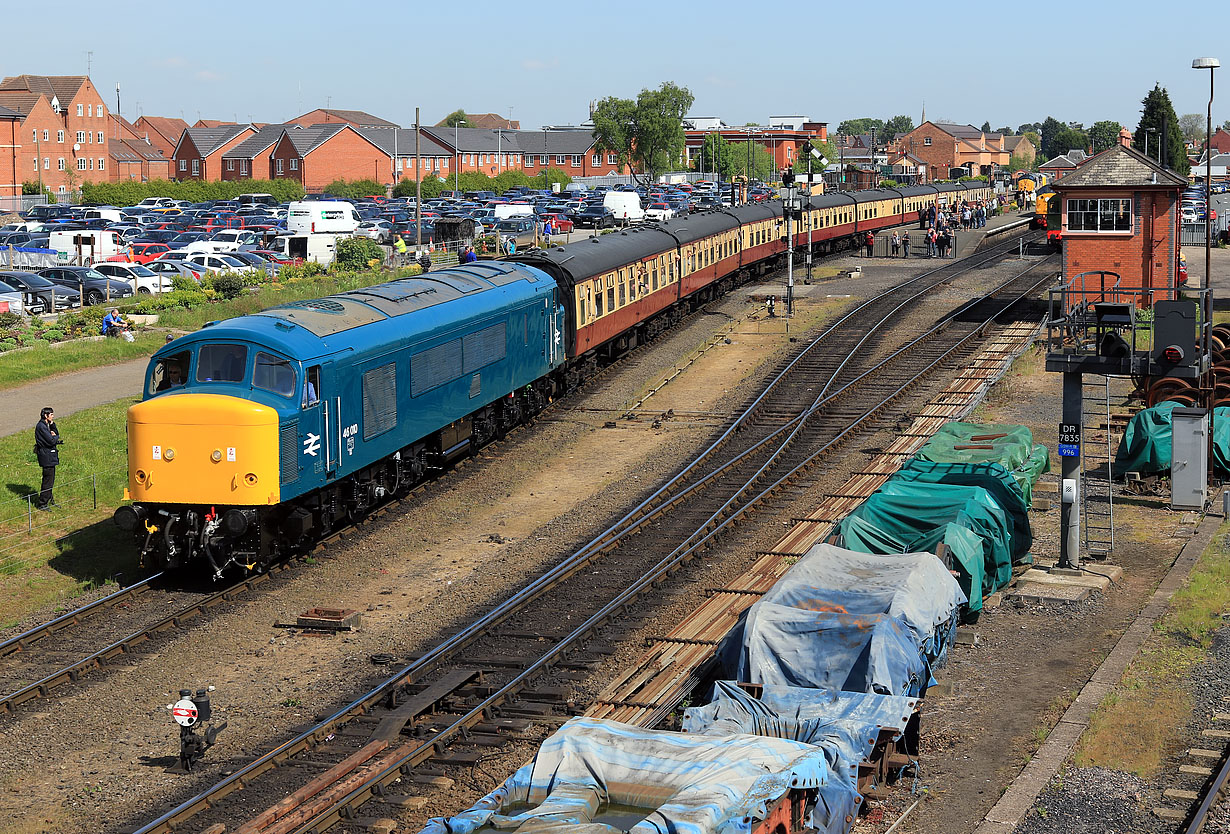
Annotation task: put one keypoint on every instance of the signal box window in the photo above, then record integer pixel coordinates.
(221, 363)
(170, 372)
(1100, 215)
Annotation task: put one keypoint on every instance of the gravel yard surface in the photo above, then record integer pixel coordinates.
(419, 573)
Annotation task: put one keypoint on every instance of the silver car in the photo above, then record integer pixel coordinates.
(13, 300)
(380, 231)
(172, 268)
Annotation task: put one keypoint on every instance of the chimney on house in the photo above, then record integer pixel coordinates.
(1125, 137)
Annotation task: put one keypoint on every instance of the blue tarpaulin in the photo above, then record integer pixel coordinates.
(848, 723)
(685, 783)
(914, 587)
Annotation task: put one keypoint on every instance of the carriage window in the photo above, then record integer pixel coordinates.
(221, 363)
(598, 301)
(623, 299)
(610, 298)
(169, 372)
(273, 373)
(311, 387)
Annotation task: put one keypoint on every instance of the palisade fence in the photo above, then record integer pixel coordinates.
(628, 179)
(28, 535)
(1192, 234)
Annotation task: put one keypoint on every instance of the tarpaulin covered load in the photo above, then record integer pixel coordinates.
(686, 783)
(913, 587)
(992, 477)
(1011, 446)
(848, 722)
(1145, 446)
(779, 644)
(912, 517)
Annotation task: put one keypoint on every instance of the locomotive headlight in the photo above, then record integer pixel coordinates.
(250, 479)
(169, 453)
(215, 455)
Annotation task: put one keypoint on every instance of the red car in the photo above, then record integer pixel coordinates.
(562, 224)
(143, 253)
(277, 258)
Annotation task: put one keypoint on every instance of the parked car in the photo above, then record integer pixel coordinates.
(659, 211)
(562, 223)
(1189, 216)
(142, 253)
(257, 262)
(15, 239)
(227, 240)
(142, 279)
(596, 216)
(16, 300)
(380, 231)
(277, 258)
(98, 287)
(175, 268)
(55, 298)
(218, 262)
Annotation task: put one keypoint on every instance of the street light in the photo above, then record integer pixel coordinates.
(1210, 64)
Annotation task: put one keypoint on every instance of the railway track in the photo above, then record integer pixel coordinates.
(29, 671)
(483, 682)
(1213, 791)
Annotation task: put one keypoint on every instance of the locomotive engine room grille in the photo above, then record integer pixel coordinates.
(444, 363)
(379, 400)
(288, 442)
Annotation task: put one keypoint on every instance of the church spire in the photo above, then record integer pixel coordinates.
(924, 112)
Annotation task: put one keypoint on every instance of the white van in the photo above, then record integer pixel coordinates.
(257, 199)
(320, 248)
(108, 213)
(625, 205)
(315, 216)
(503, 211)
(86, 246)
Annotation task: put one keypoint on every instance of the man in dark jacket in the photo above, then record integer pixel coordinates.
(46, 439)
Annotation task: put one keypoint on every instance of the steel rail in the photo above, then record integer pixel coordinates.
(431, 660)
(1195, 822)
(395, 770)
(19, 643)
(74, 671)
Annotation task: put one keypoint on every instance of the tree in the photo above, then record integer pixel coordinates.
(1192, 125)
(714, 155)
(1050, 132)
(1070, 139)
(1005, 130)
(1158, 113)
(458, 118)
(898, 125)
(1029, 127)
(1104, 134)
(753, 158)
(1022, 163)
(646, 133)
(986, 127)
(1035, 139)
(856, 127)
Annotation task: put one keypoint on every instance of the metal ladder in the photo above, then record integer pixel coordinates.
(1097, 458)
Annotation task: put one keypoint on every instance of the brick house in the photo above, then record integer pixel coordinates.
(132, 158)
(63, 130)
(355, 118)
(10, 145)
(1062, 165)
(198, 154)
(250, 159)
(782, 142)
(479, 149)
(1120, 213)
(438, 159)
(163, 132)
(1021, 147)
(572, 151)
(320, 154)
(944, 147)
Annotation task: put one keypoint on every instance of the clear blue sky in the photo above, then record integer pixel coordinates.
(970, 61)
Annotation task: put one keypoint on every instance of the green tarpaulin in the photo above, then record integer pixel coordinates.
(1010, 446)
(992, 477)
(1146, 445)
(913, 517)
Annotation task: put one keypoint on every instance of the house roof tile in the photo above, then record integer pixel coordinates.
(1119, 166)
(63, 87)
(209, 139)
(401, 140)
(259, 142)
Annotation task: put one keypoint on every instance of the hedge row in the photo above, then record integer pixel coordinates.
(130, 193)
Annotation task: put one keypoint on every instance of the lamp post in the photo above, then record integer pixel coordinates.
(1210, 64)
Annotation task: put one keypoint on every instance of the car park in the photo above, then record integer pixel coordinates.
(142, 279)
(55, 298)
(143, 252)
(380, 231)
(15, 300)
(257, 262)
(218, 262)
(97, 287)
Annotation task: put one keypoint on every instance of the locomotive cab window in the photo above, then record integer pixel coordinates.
(273, 373)
(311, 387)
(221, 363)
(170, 372)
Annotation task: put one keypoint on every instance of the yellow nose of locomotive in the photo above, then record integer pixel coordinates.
(203, 449)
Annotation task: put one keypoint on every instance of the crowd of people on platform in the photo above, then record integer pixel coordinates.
(939, 225)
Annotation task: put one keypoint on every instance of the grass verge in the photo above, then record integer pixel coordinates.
(1137, 725)
(45, 556)
(46, 360)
